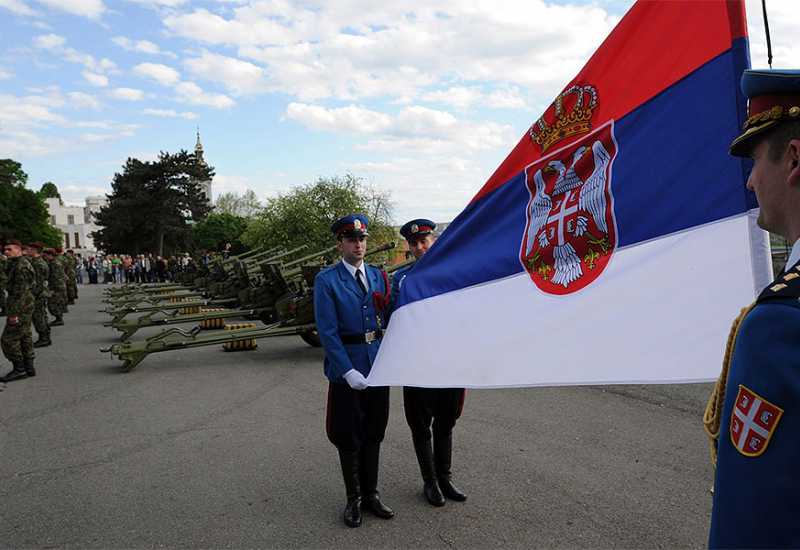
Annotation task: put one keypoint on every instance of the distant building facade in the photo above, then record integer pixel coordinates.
(76, 223)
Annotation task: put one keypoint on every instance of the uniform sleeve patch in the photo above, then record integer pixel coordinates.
(753, 421)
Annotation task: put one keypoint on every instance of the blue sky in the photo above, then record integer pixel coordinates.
(423, 99)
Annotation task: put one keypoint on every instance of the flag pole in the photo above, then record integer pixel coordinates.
(766, 29)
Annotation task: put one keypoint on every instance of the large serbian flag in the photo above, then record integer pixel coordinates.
(616, 242)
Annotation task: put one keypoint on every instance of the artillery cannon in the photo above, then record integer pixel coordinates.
(285, 306)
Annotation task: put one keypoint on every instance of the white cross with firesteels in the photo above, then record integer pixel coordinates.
(562, 214)
(748, 423)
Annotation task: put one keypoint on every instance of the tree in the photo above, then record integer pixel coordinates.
(11, 173)
(305, 215)
(246, 205)
(153, 205)
(23, 213)
(217, 229)
(50, 191)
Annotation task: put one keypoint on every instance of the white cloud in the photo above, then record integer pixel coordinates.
(92, 9)
(142, 46)
(783, 28)
(17, 7)
(169, 113)
(5, 74)
(55, 44)
(415, 128)
(352, 50)
(30, 110)
(164, 75)
(192, 93)
(240, 77)
(49, 41)
(95, 79)
(81, 100)
(159, 3)
(127, 94)
(347, 119)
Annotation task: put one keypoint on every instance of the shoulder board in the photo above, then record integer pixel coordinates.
(787, 285)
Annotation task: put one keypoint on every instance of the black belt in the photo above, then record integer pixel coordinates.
(366, 338)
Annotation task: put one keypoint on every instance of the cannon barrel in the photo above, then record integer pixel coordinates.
(262, 254)
(382, 248)
(243, 255)
(283, 255)
(309, 257)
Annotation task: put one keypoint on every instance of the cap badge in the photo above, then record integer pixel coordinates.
(356, 224)
(414, 228)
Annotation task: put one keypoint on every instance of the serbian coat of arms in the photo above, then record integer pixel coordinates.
(753, 421)
(570, 233)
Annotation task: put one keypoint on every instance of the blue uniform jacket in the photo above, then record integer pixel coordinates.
(757, 497)
(341, 308)
(397, 277)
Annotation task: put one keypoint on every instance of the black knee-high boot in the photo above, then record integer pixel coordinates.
(425, 458)
(352, 511)
(370, 460)
(443, 452)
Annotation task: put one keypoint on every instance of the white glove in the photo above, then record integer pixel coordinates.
(356, 380)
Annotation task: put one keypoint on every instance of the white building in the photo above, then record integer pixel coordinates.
(76, 223)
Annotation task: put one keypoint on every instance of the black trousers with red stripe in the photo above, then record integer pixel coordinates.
(438, 406)
(356, 418)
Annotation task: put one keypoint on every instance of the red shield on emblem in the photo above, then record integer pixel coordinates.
(753, 421)
(571, 232)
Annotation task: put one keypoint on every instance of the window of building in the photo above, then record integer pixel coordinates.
(66, 240)
(70, 219)
(52, 220)
(77, 240)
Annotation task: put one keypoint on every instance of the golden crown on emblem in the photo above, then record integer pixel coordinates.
(568, 122)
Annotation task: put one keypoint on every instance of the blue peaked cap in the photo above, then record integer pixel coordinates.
(774, 98)
(417, 228)
(352, 225)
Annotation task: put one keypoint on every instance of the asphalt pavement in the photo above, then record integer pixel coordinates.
(204, 448)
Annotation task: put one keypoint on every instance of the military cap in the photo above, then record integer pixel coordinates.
(774, 97)
(417, 228)
(13, 242)
(37, 245)
(354, 225)
(59, 250)
(50, 251)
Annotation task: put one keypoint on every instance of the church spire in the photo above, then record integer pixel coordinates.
(198, 148)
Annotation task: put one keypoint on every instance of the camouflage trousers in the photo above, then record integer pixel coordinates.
(2, 299)
(72, 290)
(17, 340)
(40, 320)
(57, 304)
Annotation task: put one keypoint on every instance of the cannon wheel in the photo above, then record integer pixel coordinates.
(311, 337)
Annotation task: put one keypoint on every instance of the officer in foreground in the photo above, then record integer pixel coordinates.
(757, 486)
(17, 341)
(440, 407)
(350, 303)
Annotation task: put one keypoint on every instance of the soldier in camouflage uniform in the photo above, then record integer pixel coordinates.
(3, 279)
(42, 269)
(61, 260)
(17, 341)
(71, 263)
(57, 288)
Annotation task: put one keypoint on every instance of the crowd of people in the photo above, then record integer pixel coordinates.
(137, 268)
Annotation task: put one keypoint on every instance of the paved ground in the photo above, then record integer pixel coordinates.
(202, 448)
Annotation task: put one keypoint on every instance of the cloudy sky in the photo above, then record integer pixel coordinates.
(422, 98)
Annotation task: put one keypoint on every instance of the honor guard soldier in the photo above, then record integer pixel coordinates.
(426, 407)
(757, 435)
(17, 341)
(350, 303)
(42, 269)
(56, 287)
(3, 281)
